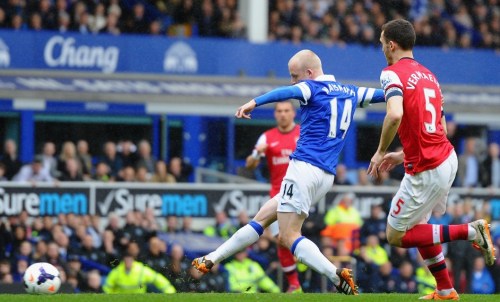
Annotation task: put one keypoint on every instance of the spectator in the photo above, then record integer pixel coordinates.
(386, 283)
(3, 19)
(131, 276)
(68, 151)
(490, 176)
(481, 281)
(363, 178)
(111, 27)
(94, 282)
(375, 224)
(89, 252)
(112, 159)
(161, 174)
(137, 22)
(223, 227)
(343, 221)
(97, 21)
(127, 174)
(63, 22)
(179, 169)
(72, 171)
(145, 158)
(10, 160)
(85, 158)
(461, 253)
(128, 153)
(35, 22)
(142, 174)
(341, 177)
(2, 172)
(407, 282)
(178, 268)
(133, 231)
(49, 160)
(47, 14)
(33, 172)
(40, 254)
(247, 276)
(156, 256)
(372, 252)
(53, 256)
(102, 172)
(21, 265)
(172, 224)
(468, 165)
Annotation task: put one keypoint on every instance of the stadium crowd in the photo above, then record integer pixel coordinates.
(85, 249)
(126, 161)
(441, 23)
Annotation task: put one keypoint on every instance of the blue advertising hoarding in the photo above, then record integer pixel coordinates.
(164, 55)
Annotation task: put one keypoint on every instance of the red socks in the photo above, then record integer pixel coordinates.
(424, 235)
(288, 265)
(434, 259)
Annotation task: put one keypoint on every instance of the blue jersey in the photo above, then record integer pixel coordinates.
(327, 109)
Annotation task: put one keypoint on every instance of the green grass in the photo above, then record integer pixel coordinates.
(231, 298)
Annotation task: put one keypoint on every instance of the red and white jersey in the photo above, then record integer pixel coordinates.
(424, 141)
(279, 147)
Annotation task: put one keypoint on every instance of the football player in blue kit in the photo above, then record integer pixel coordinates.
(327, 109)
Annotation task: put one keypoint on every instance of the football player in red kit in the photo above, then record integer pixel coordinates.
(276, 145)
(415, 112)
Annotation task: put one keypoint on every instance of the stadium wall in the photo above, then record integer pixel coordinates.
(200, 201)
(163, 55)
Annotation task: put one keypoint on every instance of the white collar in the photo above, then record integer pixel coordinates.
(326, 77)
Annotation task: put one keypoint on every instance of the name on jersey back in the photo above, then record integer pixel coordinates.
(416, 76)
(337, 87)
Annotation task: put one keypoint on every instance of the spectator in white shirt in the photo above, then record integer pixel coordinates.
(33, 172)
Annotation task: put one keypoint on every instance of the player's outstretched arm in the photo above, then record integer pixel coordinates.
(368, 96)
(276, 95)
(389, 129)
(253, 160)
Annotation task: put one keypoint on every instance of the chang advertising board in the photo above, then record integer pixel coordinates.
(67, 52)
(44, 201)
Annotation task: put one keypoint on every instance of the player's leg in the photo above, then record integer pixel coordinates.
(412, 206)
(302, 186)
(287, 261)
(244, 237)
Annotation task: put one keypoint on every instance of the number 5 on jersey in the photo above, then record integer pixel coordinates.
(399, 205)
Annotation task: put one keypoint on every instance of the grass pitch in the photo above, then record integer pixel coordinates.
(231, 298)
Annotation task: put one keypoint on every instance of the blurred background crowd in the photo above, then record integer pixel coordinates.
(86, 248)
(128, 161)
(443, 23)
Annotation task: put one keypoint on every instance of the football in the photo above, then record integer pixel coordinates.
(42, 278)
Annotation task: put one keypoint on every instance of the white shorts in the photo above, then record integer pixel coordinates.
(421, 194)
(303, 185)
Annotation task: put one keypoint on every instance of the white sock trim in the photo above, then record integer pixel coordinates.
(472, 233)
(433, 260)
(436, 234)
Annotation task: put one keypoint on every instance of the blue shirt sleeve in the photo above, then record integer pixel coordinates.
(366, 96)
(378, 96)
(279, 94)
